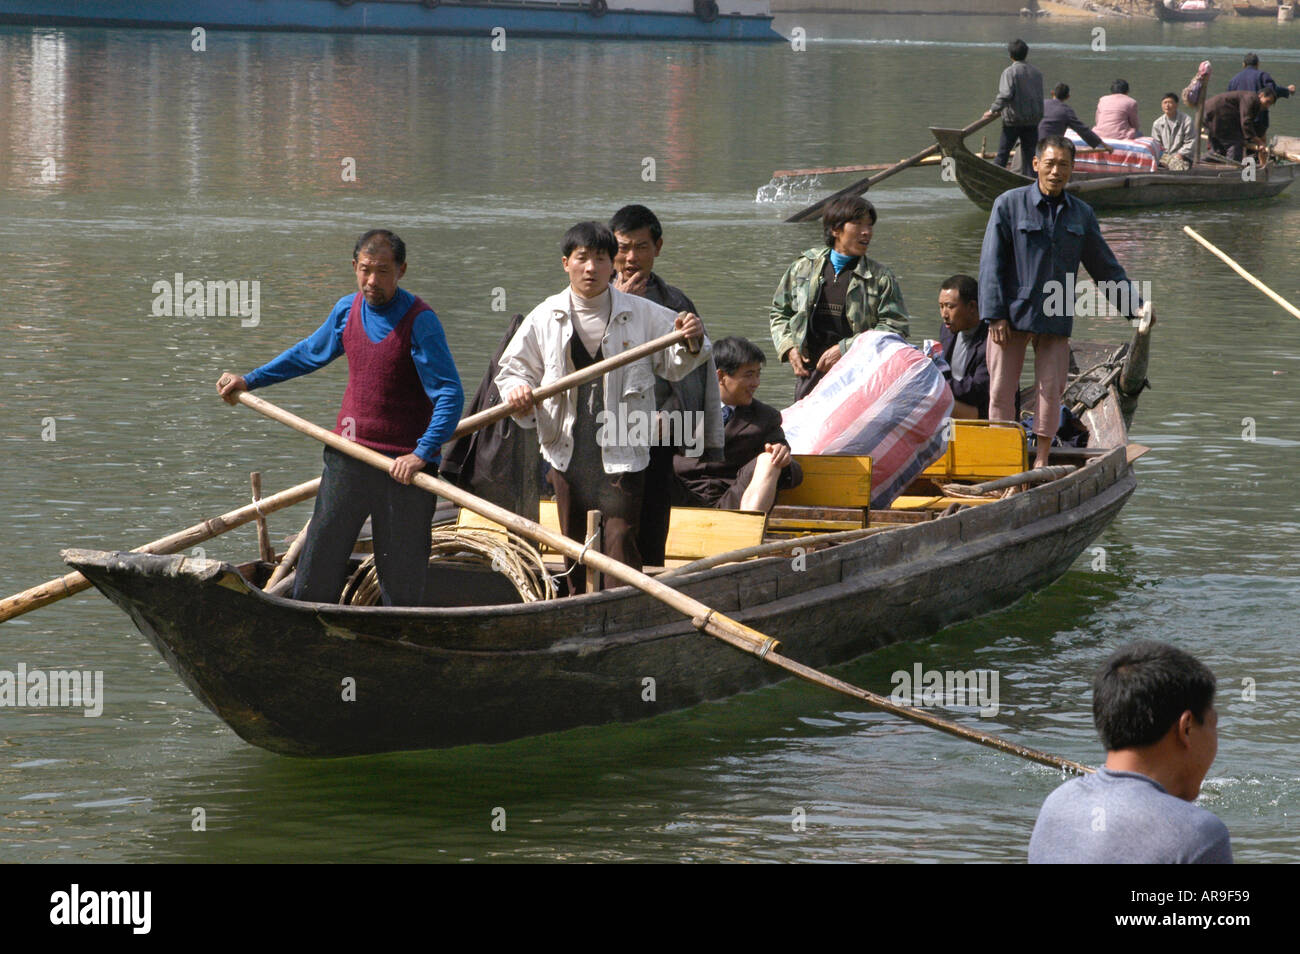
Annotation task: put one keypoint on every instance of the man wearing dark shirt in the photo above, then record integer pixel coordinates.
(403, 399)
(1037, 236)
(640, 240)
(1232, 121)
(964, 337)
(1252, 79)
(1058, 117)
(1020, 101)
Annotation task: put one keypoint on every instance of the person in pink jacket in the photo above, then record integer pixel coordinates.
(1117, 114)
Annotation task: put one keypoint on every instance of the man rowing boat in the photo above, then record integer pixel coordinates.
(403, 398)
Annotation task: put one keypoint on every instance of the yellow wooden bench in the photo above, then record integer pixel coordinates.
(693, 532)
(981, 450)
(835, 494)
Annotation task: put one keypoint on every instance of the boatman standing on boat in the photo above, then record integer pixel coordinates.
(1252, 79)
(597, 437)
(1231, 121)
(831, 295)
(403, 399)
(1020, 101)
(1036, 238)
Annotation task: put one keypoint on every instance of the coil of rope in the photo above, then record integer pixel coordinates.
(500, 550)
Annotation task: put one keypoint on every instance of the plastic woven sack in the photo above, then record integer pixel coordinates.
(884, 399)
(1129, 155)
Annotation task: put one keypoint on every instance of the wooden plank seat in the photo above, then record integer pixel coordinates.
(981, 450)
(835, 494)
(693, 532)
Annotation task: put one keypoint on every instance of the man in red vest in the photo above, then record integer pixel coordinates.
(403, 398)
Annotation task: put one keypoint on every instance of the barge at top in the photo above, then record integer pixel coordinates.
(610, 19)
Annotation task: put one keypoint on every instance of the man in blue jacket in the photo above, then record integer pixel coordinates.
(1036, 238)
(1252, 79)
(965, 339)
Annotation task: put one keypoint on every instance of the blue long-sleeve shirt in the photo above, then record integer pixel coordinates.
(1253, 80)
(1030, 247)
(429, 351)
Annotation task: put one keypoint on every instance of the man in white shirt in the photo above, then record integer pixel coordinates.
(1174, 132)
(597, 437)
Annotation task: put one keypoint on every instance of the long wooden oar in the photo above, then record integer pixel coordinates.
(56, 589)
(704, 618)
(862, 185)
(590, 373)
(1243, 273)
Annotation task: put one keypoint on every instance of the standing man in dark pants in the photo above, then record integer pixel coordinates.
(695, 397)
(1020, 101)
(1252, 79)
(403, 399)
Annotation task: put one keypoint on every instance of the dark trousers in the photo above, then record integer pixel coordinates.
(618, 498)
(400, 518)
(1234, 149)
(805, 386)
(1028, 137)
(656, 505)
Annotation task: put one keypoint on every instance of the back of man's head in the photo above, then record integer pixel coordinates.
(633, 218)
(1018, 49)
(1061, 91)
(1143, 689)
(1250, 60)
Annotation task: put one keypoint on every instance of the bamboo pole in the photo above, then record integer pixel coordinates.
(1243, 273)
(704, 618)
(54, 590)
(483, 418)
(264, 548)
(862, 185)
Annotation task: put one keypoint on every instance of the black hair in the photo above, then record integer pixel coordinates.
(1173, 96)
(730, 353)
(1060, 142)
(967, 289)
(841, 211)
(1018, 49)
(369, 240)
(1250, 60)
(1061, 91)
(634, 218)
(590, 235)
(1119, 86)
(1143, 689)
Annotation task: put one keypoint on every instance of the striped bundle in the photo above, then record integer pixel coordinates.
(1130, 155)
(884, 399)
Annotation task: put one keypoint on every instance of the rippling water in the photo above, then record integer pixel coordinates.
(227, 164)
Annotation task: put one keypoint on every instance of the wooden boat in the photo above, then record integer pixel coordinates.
(1252, 10)
(983, 181)
(1179, 15)
(276, 671)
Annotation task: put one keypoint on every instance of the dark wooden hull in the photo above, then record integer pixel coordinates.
(1169, 15)
(1250, 10)
(983, 182)
(275, 670)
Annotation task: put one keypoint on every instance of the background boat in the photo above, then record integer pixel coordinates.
(1179, 15)
(623, 19)
(982, 181)
(1255, 10)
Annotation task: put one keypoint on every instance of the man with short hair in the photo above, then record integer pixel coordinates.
(403, 399)
(1038, 235)
(694, 398)
(1153, 706)
(757, 461)
(1020, 101)
(596, 437)
(1058, 117)
(964, 338)
(1232, 121)
(1117, 114)
(1175, 133)
(830, 295)
(1252, 79)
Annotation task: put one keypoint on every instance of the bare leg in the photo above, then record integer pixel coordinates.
(761, 492)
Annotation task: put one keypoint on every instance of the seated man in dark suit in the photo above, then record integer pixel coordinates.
(963, 337)
(756, 460)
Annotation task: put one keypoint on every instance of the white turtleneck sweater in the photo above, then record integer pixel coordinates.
(590, 318)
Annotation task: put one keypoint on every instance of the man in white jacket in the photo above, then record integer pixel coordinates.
(596, 438)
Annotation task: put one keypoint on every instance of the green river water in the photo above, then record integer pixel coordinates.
(227, 164)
